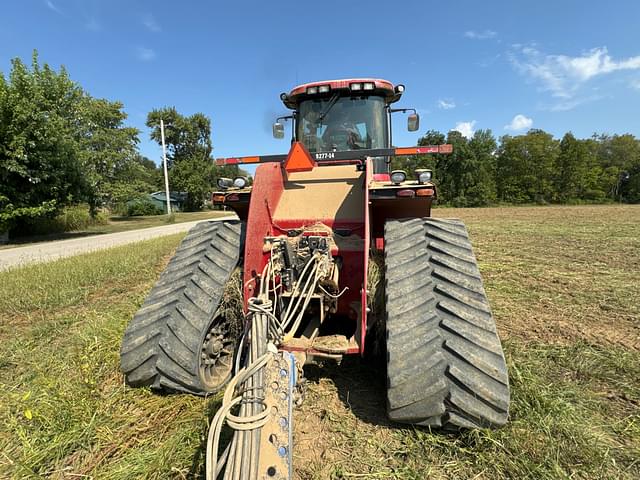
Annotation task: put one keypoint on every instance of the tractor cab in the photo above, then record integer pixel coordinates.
(344, 115)
(334, 124)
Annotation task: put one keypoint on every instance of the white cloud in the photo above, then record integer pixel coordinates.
(563, 75)
(51, 6)
(446, 104)
(484, 35)
(150, 22)
(465, 128)
(145, 54)
(519, 122)
(635, 84)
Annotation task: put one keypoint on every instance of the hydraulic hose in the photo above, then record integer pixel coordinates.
(243, 404)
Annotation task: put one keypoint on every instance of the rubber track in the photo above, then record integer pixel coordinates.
(445, 364)
(162, 342)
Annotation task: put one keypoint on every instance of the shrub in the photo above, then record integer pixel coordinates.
(72, 218)
(141, 207)
(101, 218)
(12, 216)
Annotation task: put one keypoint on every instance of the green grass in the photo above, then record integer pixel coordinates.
(63, 406)
(122, 224)
(563, 424)
(564, 289)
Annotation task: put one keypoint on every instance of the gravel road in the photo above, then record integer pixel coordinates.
(47, 251)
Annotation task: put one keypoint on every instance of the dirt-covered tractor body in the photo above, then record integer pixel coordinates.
(333, 253)
(345, 196)
(342, 203)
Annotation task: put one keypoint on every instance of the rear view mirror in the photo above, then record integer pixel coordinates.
(278, 130)
(413, 122)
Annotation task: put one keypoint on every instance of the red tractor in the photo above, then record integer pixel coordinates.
(245, 303)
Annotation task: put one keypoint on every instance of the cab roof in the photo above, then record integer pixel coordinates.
(380, 87)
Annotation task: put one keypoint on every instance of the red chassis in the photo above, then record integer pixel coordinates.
(333, 194)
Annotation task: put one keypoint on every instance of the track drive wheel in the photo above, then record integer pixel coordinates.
(445, 364)
(178, 341)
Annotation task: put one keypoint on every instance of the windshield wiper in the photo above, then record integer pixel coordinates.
(331, 103)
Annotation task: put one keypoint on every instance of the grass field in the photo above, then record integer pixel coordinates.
(120, 224)
(564, 286)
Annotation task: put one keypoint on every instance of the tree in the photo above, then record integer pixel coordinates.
(619, 156)
(58, 145)
(185, 137)
(456, 170)
(483, 190)
(467, 176)
(630, 184)
(188, 141)
(525, 167)
(133, 181)
(39, 170)
(107, 149)
(196, 177)
(576, 171)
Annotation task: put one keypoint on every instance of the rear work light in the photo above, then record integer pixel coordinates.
(406, 193)
(368, 85)
(423, 175)
(398, 176)
(239, 182)
(312, 90)
(356, 86)
(324, 88)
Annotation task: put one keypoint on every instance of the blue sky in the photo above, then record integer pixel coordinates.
(467, 65)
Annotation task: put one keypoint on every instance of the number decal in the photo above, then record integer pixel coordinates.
(324, 155)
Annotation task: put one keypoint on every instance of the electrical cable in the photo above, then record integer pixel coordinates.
(245, 392)
(337, 295)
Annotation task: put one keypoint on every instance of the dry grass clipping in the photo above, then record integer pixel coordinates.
(375, 300)
(231, 304)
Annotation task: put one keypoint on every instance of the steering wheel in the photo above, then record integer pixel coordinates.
(345, 134)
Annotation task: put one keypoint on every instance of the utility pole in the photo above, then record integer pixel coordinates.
(166, 175)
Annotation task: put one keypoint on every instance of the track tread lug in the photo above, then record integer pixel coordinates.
(445, 365)
(161, 345)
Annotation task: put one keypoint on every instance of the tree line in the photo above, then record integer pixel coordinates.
(532, 168)
(59, 146)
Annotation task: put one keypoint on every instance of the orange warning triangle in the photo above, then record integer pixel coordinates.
(298, 159)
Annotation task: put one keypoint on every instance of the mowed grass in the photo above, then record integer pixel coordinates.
(64, 410)
(120, 224)
(564, 286)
